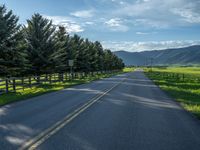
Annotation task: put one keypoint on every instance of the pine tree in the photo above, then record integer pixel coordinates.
(99, 50)
(12, 56)
(62, 54)
(39, 35)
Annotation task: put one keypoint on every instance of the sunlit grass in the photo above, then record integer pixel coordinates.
(128, 69)
(46, 88)
(186, 91)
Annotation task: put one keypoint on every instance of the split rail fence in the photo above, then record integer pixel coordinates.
(13, 84)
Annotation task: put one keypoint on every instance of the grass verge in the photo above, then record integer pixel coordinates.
(186, 91)
(46, 88)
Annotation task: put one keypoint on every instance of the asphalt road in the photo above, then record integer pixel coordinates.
(133, 114)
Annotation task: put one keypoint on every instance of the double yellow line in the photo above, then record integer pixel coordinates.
(42, 137)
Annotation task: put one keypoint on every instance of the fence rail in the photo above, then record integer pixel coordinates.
(13, 84)
(178, 76)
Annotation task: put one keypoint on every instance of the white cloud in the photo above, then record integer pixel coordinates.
(145, 33)
(70, 25)
(116, 24)
(83, 14)
(89, 23)
(187, 15)
(151, 45)
(122, 3)
(161, 13)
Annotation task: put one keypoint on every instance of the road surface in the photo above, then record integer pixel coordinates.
(124, 112)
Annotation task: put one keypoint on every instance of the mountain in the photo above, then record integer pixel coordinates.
(179, 56)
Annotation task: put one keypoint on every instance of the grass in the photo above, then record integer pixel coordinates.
(128, 69)
(46, 88)
(184, 88)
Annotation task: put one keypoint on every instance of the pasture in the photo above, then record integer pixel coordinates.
(181, 83)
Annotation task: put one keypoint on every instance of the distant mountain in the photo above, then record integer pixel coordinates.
(180, 56)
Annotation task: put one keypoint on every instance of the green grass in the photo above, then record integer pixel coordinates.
(185, 90)
(128, 69)
(46, 88)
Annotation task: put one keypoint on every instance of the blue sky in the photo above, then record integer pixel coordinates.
(132, 25)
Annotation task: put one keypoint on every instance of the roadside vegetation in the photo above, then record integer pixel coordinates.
(26, 93)
(182, 83)
(43, 48)
(128, 69)
(39, 49)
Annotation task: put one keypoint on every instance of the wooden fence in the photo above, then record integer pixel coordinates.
(13, 84)
(178, 76)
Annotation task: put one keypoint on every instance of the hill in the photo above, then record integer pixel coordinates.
(177, 56)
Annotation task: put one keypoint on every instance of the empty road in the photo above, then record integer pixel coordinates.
(124, 112)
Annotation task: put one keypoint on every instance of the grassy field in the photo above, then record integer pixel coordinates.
(46, 88)
(128, 69)
(182, 83)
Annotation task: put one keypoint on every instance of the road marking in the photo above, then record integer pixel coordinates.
(42, 137)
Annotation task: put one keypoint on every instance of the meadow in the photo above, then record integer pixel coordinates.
(181, 83)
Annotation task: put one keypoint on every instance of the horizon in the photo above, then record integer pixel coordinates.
(138, 51)
(137, 25)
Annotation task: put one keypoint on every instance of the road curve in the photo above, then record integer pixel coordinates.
(135, 114)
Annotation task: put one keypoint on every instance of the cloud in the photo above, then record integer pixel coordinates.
(83, 14)
(161, 13)
(116, 24)
(70, 25)
(145, 33)
(151, 45)
(89, 23)
(187, 15)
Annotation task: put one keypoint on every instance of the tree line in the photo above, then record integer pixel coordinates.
(39, 47)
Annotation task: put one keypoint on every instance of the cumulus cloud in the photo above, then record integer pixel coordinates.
(151, 45)
(187, 15)
(70, 25)
(116, 24)
(161, 13)
(83, 14)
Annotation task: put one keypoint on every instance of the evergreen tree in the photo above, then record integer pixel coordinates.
(39, 35)
(93, 59)
(38, 48)
(12, 56)
(62, 54)
(100, 53)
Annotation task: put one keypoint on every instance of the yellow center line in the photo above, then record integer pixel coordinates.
(42, 137)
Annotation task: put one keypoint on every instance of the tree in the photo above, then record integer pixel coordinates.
(12, 55)
(100, 53)
(40, 40)
(63, 52)
(38, 48)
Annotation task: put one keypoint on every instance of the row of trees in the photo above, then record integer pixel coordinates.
(41, 47)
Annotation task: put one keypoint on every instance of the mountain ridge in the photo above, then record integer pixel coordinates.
(182, 56)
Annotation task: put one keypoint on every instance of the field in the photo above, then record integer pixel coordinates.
(182, 83)
(24, 93)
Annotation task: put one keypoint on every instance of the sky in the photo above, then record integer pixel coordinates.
(131, 25)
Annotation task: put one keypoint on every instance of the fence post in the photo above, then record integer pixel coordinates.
(50, 78)
(38, 79)
(23, 83)
(14, 85)
(62, 77)
(46, 78)
(29, 81)
(7, 86)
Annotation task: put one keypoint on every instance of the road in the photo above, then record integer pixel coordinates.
(124, 112)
